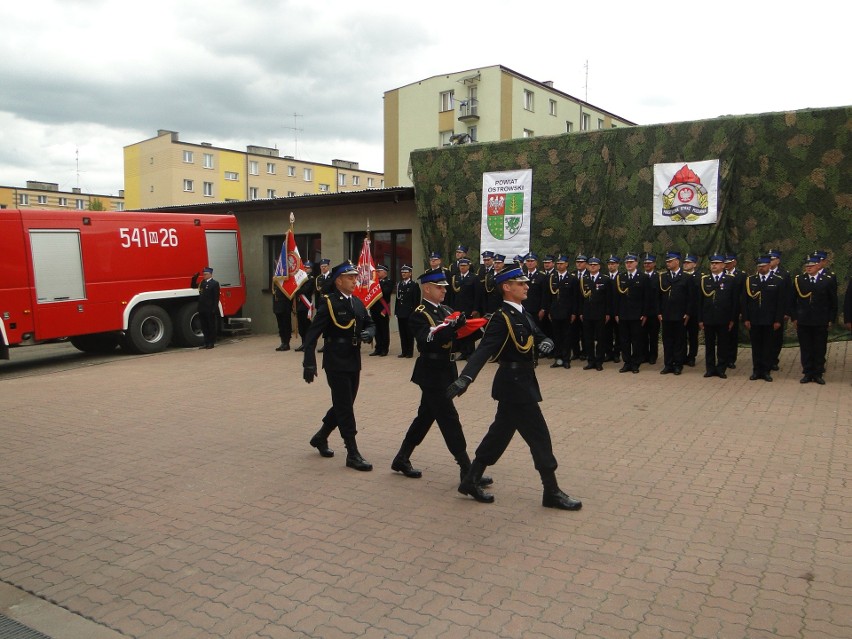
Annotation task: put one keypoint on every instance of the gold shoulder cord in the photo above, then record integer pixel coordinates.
(755, 296)
(704, 276)
(660, 280)
(550, 284)
(623, 291)
(804, 296)
(586, 292)
(334, 319)
(456, 289)
(488, 290)
(422, 309)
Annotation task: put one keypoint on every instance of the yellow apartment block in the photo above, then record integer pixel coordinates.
(46, 195)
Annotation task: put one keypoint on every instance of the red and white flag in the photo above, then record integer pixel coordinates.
(367, 289)
(289, 274)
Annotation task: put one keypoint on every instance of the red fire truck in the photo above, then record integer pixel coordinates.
(109, 279)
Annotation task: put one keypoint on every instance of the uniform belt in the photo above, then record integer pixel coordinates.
(439, 356)
(518, 365)
(338, 340)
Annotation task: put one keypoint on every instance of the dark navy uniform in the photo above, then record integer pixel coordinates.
(282, 306)
(563, 312)
(208, 310)
(511, 337)
(675, 296)
(651, 330)
(692, 324)
(345, 323)
(492, 299)
(814, 308)
(631, 307)
(717, 307)
(734, 338)
(304, 301)
(466, 299)
(380, 312)
(407, 299)
(763, 302)
(596, 306)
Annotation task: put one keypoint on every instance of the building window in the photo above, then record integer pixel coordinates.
(80, 205)
(369, 183)
(309, 245)
(233, 176)
(553, 107)
(471, 131)
(63, 201)
(445, 138)
(341, 179)
(208, 160)
(291, 171)
(528, 133)
(600, 123)
(270, 168)
(309, 175)
(119, 206)
(291, 194)
(586, 122)
(252, 192)
(356, 180)
(23, 199)
(270, 193)
(529, 100)
(187, 185)
(42, 199)
(391, 248)
(324, 188)
(208, 189)
(446, 100)
(187, 157)
(253, 170)
(569, 126)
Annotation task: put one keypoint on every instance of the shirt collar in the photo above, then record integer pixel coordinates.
(517, 307)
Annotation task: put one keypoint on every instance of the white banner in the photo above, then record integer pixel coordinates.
(686, 193)
(506, 212)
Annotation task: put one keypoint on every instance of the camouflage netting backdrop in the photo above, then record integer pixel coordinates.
(785, 182)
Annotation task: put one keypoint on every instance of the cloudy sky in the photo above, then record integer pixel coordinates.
(81, 79)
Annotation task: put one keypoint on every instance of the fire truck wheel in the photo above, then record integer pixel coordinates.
(187, 326)
(96, 343)
(150, 330)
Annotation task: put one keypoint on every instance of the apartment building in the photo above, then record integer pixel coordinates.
(479, 105)
(46, 195)
(166, 171)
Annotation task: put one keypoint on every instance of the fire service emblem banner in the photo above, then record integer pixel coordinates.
(506, 208)
(685, 193)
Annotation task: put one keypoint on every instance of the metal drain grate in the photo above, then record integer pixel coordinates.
(11, 629)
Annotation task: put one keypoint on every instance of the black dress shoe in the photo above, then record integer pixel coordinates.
(374, 354)
(383, 354)
(283, 347)
(598, 367)
(754, 377)
(401, 355)
(652, 361)
(322, 446)
(566, 364)
(209, 346)
(677, 370)
(475, 491)
(710, 374)
(299, 349)
(558, 499)
(732, 365)
(624, 369)
(556, 364)
(775, 367)
(767, 377)
(635, 369)
(616, 359)
(588, 367)
(819, 380)
(666, 370)
(690, 361)
(403, 465)
(805, 379)
(722, 375)
(354, 460)
(202, 348)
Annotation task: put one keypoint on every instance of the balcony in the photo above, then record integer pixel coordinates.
(469, 110)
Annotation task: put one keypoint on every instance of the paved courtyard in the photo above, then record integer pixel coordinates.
(174, 496)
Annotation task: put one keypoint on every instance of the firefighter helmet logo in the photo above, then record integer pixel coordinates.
(686, 199)
(505, 214)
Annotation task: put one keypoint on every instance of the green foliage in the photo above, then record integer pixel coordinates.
(96, 205)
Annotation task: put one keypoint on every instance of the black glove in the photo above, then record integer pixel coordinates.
(546, 345)
(461, 320)
(309, 373)
(366, 337)
(458, 387)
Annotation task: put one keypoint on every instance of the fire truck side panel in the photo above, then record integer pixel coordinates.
(86, 270)
(15, 308)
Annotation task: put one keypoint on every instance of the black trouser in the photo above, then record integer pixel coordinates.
(302, 322)
(209, 321)
(529, 422)
(651, 338)
(466, 345)
(344, 389)
(778, 343)
(382, 331)
(406, 337)
(674, 343)
(692, 338)
(734, 343)
(285, 326)
(576, 336)
(813, 343)
(612, 342)
(761, 348)
(562, 338)
(716, 347)
(593, 340)
(434, 406)
(631, 333)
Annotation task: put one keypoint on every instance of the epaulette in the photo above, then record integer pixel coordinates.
(420, 308)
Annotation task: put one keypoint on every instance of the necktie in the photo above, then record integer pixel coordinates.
(762, 278)
(813, 280)
(718, 278)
